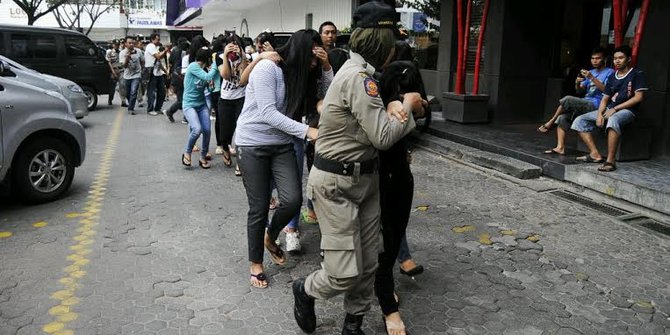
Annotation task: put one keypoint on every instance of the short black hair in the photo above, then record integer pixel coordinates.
(266, 36)
(129, 37)
(153, 36)
(327, 23)
(623, 49)
(599, 50)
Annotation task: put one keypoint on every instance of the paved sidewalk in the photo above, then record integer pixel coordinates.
(170, 255)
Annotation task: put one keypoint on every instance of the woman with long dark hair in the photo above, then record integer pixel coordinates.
(396, 185)
(230, 62)
(276, 95)
(198, 76)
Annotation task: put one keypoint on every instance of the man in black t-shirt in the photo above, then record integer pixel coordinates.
(622, 96)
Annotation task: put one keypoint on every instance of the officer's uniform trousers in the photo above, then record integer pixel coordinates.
(348, 212)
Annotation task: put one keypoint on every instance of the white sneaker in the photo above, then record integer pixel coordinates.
(293, 242)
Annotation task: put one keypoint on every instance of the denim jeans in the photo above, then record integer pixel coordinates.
(259, 166)
(586, 123)
(198, 123)
(403, 252)
(156, 93)
(131, 89)
(299, 147)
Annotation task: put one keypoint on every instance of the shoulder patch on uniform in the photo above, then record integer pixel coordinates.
(371, 87)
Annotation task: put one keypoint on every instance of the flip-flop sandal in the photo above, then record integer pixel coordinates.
(392, 325)
(238, 172)
(308, 219)
(208, 157)
(553, 152)
(227, 161)
(277, 256)
(204, 164)
(261, 278)
(589, 159)
(607, 167)
(185, 160)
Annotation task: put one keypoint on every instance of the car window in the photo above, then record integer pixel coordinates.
(20, 44)
(79, 46)
(44, 46)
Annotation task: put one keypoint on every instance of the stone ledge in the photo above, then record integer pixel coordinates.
(504, 164)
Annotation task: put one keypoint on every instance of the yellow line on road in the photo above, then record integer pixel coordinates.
(80, 250)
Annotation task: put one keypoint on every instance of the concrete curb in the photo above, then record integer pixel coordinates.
(504, 164)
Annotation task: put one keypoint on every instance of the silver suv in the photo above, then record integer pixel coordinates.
(67, 88)
(41, 141)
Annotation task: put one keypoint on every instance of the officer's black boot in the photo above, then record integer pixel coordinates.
(303, 308)
(352, 325)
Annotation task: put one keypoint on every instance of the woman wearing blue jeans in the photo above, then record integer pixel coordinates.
(194, 105)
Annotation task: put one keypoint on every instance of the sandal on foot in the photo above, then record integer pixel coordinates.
(208, 157)
(388, 325)
(227, 161)
(306, 218)
(589, 159)
(204, 164)
(238, 172)
(219, 151)
(553, 151)
(277, 255)
(261, 278)
(186, 160)
(417, 270)
(607, 167)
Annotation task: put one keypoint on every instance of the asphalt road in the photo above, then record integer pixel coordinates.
(142, 245)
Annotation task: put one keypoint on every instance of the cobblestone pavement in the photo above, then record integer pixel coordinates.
(160, 249)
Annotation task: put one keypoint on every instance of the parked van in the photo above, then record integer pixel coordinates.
(61, 53)
(41, 141)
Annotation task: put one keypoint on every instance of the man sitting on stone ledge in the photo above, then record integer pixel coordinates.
(623, 93)
(593, 83)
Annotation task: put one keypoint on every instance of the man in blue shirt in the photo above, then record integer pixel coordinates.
(622, 96)
(592, 83)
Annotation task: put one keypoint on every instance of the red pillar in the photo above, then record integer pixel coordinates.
(616, 14)
(480, 44)
(639, 30)
(466, 42)
(459, 63)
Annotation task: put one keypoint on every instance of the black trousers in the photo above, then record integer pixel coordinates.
(396, 185)
(260, 165)
(112, 88)
(178, 85)
(226, 120)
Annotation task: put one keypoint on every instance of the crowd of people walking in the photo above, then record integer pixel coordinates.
(344, 113)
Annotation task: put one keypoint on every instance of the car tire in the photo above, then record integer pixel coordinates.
(92, 96)
(28, 169)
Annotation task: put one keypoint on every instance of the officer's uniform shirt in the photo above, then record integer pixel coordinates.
(354, 123)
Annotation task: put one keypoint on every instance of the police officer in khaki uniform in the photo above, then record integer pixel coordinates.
(344, 184)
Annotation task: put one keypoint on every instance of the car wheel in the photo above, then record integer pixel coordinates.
(43, 170)
(92, 97)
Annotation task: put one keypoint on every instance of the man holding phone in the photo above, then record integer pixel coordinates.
(591, 83)
(132, 61)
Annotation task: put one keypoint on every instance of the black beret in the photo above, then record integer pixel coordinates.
(376, 14)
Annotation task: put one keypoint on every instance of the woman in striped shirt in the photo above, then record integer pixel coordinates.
(276, 96)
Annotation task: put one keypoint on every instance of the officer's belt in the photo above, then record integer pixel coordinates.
(346, 168)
